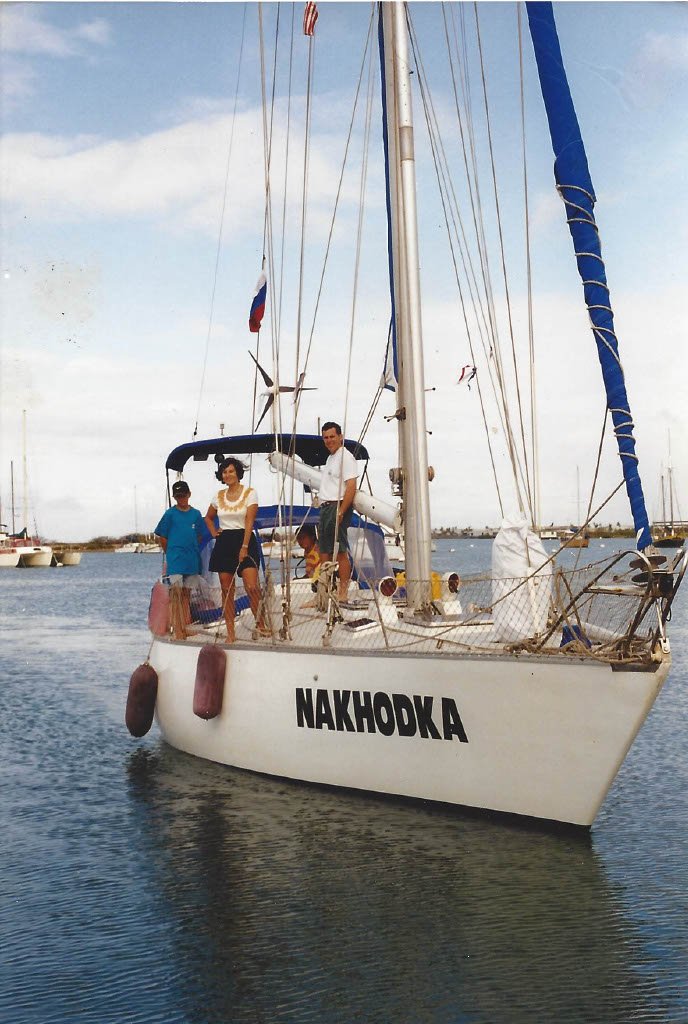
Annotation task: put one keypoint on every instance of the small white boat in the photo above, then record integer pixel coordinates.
(394, 549)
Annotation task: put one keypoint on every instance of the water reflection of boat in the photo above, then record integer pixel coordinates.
(273, 895)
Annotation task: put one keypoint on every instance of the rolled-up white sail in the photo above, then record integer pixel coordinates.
(381, 512)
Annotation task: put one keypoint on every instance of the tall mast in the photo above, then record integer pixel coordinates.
(395, 247)
(414, 448)
(14, 526)
(671, 484)
(663, 503)
(25, 502)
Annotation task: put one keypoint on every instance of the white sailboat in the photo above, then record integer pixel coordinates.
(670, 533)
(521, 693)
(33, 553)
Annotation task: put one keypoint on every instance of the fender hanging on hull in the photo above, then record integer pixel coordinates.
(210, 682)
(143, 691)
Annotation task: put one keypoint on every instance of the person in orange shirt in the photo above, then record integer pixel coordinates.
(308, 540)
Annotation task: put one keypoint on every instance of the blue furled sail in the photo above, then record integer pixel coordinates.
(390, 373)
(575, 187)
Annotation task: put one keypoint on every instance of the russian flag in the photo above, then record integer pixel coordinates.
(258, 304)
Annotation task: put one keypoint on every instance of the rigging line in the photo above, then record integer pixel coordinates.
(451, 210)
(503, 261)
(340, 183)
(472, 176)
(442, 172)
(440, 176)
(470, 179)
(371, 412)
(535, 454)
(275, 321)
(275, 333)
(304, 208)
(304, 193)
(221, 229)
(336, 201)
(457, 219)
(451, 206)
(479, 227)
(268, 234)
(286, 165)
(359, 229)
(595, 476)
(478, 224)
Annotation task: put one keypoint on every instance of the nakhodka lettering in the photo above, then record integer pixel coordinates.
(388, 714)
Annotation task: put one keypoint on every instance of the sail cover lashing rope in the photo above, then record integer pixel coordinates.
(575, 187)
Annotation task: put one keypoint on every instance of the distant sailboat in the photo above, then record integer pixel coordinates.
(33, 553)
(576, 537)
(667, 534)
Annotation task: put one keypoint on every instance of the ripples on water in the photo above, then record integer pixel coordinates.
(140, 884)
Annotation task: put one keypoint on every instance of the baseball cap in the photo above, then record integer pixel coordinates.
(180, 487)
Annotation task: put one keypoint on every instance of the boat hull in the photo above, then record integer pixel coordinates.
(543, 738)
(68, 557)
(669, 542)
(9, 559)
(40, 558)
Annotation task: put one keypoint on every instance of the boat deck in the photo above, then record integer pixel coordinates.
(604, 611)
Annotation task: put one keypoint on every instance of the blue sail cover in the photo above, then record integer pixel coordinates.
(575, 187)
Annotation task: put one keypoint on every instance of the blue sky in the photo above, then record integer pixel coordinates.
(116, 121)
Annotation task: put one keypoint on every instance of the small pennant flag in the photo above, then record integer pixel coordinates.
(467, 375)
(310, 16)
(258, 305)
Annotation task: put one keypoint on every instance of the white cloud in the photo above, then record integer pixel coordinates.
(177, 173)
(24, 31)
(665, 52)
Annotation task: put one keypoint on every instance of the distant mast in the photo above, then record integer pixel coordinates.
(14, 524)
(402, 173)
(25, 493)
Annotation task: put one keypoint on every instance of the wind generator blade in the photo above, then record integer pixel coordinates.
(268, 381)
(269, 402)
(297, 391)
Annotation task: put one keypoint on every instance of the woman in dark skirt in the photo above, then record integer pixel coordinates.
(236, 548)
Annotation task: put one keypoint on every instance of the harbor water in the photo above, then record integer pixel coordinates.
(143, 885)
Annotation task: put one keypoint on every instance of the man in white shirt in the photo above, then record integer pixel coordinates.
(337, 492)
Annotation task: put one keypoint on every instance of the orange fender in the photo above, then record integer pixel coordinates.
(210, 681)
(143, 690)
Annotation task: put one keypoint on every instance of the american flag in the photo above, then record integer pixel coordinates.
(310, 16)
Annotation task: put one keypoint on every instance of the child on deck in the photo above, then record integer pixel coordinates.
(307, 539)
(180, 531)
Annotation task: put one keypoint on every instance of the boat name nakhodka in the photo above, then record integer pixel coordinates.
(378, 712)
